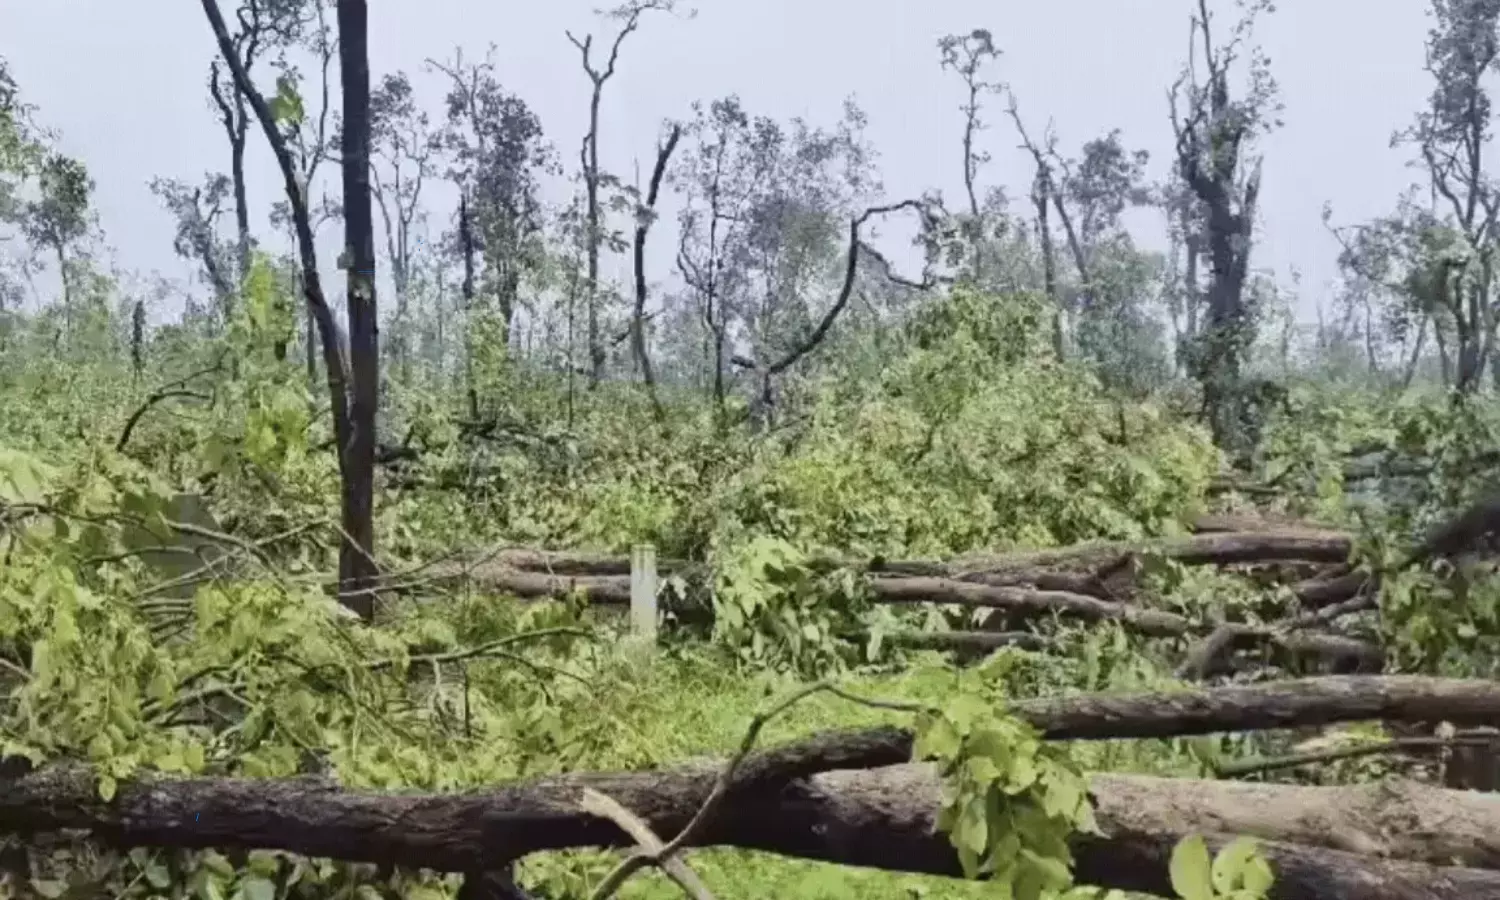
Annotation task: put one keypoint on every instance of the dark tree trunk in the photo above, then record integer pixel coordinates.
(466, 244)
(356, 554)
(241, 197)
(597, 356)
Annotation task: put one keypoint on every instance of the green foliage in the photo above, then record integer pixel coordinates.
(286, 104)
(772, 607)
(1011, 802)
(1237, 872)
(968, 441)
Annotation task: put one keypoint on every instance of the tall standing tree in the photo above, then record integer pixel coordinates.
(1183, 288)
(308, 140)
(357, 568)
(497, 153)
(198, 209)
(629, 15)
(1215, 137)
(1043, 195)
(60, 217)
(766, 211)
(967, 55)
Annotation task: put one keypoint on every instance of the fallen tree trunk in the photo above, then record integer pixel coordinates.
(881, 819)
(1342, 654)
(1027, 602)
(1275, 543)
(1223, 548)
(1212, 655)
(1292, 703)
(838, 820)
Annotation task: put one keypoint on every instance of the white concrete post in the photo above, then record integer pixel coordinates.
(643, 592)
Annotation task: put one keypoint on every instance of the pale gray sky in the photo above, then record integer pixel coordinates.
(123, 81)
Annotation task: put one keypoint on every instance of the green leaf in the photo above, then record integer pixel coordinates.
(157, 873)
(1190, 869)
(258, 887)
(1256, 876)
(939, 740)
(107, 787)
(286, 105)
(49, 888)
(1230, 863)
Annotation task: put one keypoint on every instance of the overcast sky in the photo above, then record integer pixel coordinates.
(123, 82)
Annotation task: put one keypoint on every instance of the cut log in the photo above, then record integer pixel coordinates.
(881, 819)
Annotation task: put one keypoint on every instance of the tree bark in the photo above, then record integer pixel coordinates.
(880, 819)
(642, 227)
(357, 567)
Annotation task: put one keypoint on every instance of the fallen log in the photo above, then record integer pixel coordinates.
(1316, 593)
(1219, 523)
(978, 641)
(881, 819)
(1103, 560)
(1291, 703)
(1211, 656)
(615, 590)
(1027, 602)
(1274, 542)
(1017, 603)
(605, 590)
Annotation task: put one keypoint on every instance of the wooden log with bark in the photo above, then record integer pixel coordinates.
(853, 798)
(1362, 843)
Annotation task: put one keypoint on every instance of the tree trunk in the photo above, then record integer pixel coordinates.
(357, 567)
(241, 197)
(1362, 842)
(597, 355)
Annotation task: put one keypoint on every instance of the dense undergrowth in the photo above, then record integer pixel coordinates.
(969, 439)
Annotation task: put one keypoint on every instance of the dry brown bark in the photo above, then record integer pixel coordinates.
(1222, 548)
(1027, 602)
(1212, 655)
(1395, 820)
(881, 818)
(1293, 703)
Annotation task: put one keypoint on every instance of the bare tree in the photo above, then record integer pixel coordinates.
(630, 17)
(1043, 192)
(967, 54)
